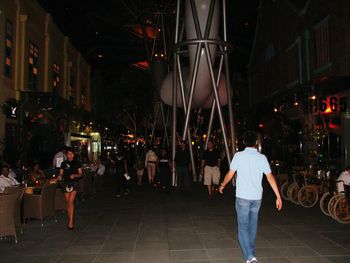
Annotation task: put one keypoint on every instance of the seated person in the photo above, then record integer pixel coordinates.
(345, 177)
(11, 172)
(6, 180)
(37, 173)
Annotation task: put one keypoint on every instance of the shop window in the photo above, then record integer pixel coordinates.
(322, 53)
(33, 66)
(8, 48)
(56, 77)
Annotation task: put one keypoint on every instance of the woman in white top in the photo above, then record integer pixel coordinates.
(151, 160)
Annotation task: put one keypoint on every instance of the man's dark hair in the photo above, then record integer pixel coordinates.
(250, 138)
(69, 149)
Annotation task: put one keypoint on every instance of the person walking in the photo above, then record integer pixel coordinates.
(210, 168)
(140, 164)
(164, 168)
(99, 170)
(70, 172)
(151, 160)
(250, 165)
(121, 172)
(182, 163)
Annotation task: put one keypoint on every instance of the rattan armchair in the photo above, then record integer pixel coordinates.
(18, 191)
(7, 215)
(42, 205)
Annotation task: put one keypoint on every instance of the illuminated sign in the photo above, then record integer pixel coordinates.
(9, 108)
(325, 105)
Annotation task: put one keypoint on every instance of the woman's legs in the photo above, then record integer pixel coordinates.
(151, 170)
(70, 197)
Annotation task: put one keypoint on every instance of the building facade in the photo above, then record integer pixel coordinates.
(44, 81)
(299, 74)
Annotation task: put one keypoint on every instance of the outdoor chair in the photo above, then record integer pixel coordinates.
(7, 215)
(41, 205)
(19, 191)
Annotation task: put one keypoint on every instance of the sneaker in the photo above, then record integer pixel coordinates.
(118, 195)
(252, 260)
(127, 192)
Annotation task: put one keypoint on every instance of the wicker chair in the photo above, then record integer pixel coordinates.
(7, 215)
(19, 191)
(41, 205)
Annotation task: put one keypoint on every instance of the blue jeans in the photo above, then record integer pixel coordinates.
(247, 218)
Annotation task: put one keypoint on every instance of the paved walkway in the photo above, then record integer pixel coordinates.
(150, 227)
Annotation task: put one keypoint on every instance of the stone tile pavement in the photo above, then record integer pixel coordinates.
(152, 227)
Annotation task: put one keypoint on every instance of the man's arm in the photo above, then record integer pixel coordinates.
(227, 179)
(126, 166)
(273, 184)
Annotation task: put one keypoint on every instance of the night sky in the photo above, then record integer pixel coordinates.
(100, 29)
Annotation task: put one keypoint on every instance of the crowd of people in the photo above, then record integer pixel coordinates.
(132, 168)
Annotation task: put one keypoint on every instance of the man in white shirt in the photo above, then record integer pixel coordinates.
(59, 158)
(250, 166)
(6, 180)
(345, 177)
(99, 170)
(11, 172)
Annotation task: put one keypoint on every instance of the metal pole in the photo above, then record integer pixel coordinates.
(196, 65)
(166, 139)
(193, 82)
(185, 110)
(175, 96)
(228, 85)
(154, 122)
(155, 38)
(210, 126)
(217, 99)
(163, 32)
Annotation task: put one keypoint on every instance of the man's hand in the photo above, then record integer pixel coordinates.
(221, 189)
(279, 203)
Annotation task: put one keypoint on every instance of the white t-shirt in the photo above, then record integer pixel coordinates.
(7, 181)
(345, 177)
(58, 159)
(100, 170)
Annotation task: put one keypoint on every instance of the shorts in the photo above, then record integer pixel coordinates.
(211, 175)
(69, 187)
